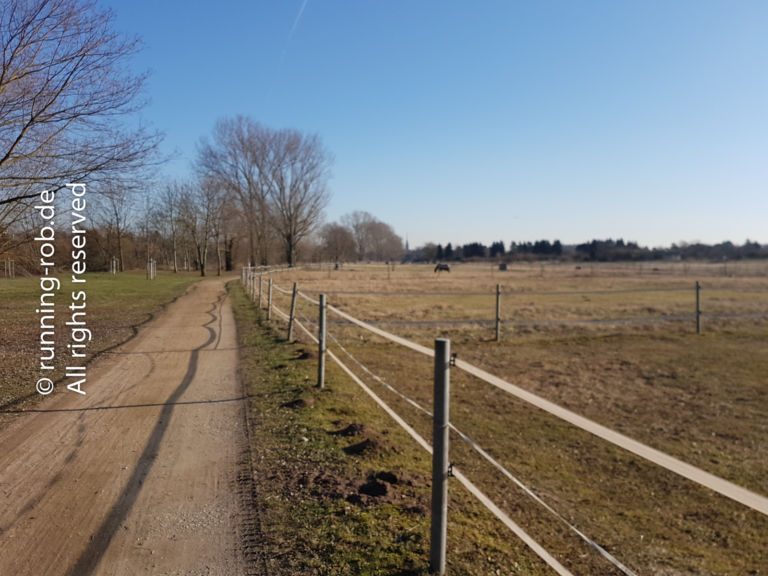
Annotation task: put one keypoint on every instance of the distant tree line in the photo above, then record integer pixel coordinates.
(497, 251)
(359, 236)
(618, 250)
(595, 251)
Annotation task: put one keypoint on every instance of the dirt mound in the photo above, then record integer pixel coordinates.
(349, 430)
(298, 403)
(374, 488)
(306, 355)
(373, 443)
(388, 477)
(366, 447)
(387, 487)
(326, 485)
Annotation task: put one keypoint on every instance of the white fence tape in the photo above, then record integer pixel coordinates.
(468, 484)
(308, 299)
(723, 487)
(283, 290)
(719, 485)
(688, 471)
(607, 555)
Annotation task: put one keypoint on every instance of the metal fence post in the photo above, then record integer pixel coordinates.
(498, 312)
(293, 310)
(269, 300)
(698, 307)
(321, 344)
(440, 461)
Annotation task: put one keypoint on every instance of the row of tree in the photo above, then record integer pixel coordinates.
(68, 113)
(360, 236)
(595, 250)
(618, 250)
(274, 180)
(431, 252)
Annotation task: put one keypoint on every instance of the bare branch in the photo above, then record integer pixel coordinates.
(64, 89)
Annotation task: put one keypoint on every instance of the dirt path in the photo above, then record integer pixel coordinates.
(141, 475)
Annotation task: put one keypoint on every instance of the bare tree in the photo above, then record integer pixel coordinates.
(384, 243)
(199, 209)
(359, 223)
(115, 210)
(234, 158)
(338, 243)
(63, 91)
(169, 201)
(297, 170)
(277, 177)
(375, 239)
(429, 251)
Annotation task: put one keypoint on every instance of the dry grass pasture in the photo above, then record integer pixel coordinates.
(614, 343)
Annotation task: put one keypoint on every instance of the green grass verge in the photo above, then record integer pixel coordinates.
(340, 488)
(115, 306)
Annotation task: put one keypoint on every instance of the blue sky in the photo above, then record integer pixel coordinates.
(492, 120)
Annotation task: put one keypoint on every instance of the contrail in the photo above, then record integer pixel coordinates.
(296, 22)
(284, 51)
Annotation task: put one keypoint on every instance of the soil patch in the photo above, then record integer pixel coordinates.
(349, 430)
(298, 403)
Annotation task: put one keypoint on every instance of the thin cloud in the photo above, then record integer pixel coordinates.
(284, 51)
(296, 21)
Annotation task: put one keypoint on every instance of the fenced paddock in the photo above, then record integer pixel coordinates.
(699, 398)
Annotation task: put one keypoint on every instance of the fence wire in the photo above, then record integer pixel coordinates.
(726, 488)
(474, 490)
(475, 446)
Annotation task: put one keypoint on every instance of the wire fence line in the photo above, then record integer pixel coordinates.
(510, 291)
(471, 487)
(282, 290)
(724, 487)
(581, 314)
(539, 550)
(576, 322)
(495, 463)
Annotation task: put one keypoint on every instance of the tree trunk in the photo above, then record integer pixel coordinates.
(175, 259)
(228, 246)
(218, 255)
(120, 251)
(201, 255)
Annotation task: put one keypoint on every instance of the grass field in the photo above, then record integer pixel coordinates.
(338, 488)
(641, 370)
(342, 490)
(115, 306)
